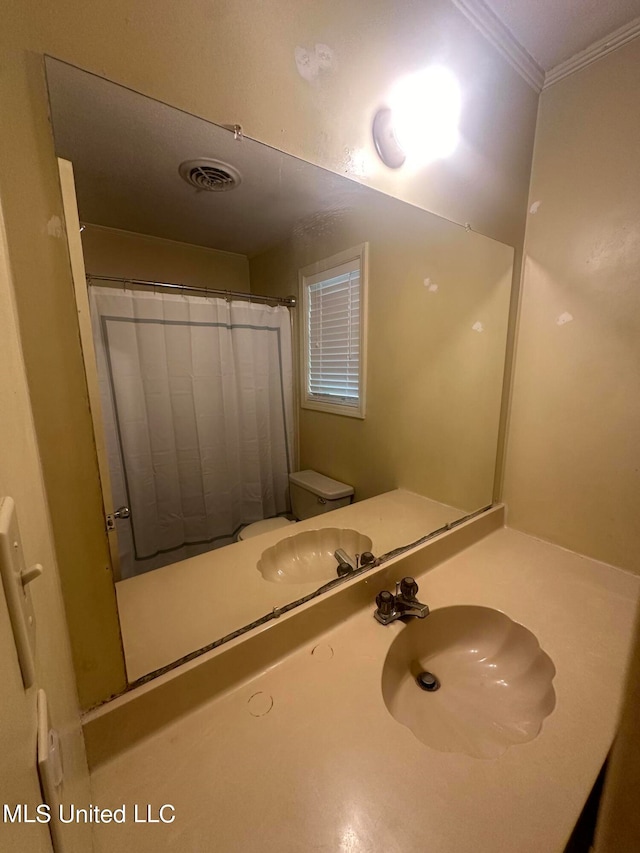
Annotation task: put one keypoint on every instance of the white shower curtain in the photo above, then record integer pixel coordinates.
(197, 399)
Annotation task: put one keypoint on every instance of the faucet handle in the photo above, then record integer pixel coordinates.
(344, 569)
(408, 587)
(385, 602)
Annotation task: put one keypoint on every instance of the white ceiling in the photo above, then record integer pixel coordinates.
(552, 31)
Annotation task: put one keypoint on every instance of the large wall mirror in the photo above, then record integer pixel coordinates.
(368, 412)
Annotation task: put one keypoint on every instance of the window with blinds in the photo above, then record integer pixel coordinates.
(333, 353)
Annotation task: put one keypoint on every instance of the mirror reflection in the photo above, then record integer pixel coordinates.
(292, 369)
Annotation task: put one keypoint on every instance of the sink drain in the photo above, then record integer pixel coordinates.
(427, 681)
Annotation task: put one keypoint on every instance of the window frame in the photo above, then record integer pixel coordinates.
(358, 253)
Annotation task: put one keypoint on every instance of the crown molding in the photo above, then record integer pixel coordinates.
(492, 28)
(596, 51)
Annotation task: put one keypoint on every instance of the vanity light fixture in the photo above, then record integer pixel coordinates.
(420, 123)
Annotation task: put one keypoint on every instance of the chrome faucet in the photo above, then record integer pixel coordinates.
(404, 603)
(347, 564)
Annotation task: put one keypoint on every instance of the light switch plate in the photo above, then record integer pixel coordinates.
(15, 579)
(50, 769)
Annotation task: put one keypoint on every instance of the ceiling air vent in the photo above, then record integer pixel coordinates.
(212, 176)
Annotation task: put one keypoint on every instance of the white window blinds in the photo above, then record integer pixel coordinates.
(333, 339)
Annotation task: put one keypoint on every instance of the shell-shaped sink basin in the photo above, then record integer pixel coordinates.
(308, 556)
(493, 681)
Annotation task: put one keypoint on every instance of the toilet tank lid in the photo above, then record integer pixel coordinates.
(320, 485)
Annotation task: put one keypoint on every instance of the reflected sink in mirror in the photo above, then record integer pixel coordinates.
(309, 556)
(493, 684)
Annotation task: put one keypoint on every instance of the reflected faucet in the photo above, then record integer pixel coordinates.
(404, 603)
(347, 564)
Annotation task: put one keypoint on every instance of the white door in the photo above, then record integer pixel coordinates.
(86, 339)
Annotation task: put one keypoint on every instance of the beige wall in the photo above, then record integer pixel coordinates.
(433, 383)
(228, 62)
(109, 251)
(572, 472)
(21, 479)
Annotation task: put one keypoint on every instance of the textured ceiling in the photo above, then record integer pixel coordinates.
(126, 149)
(552, 31)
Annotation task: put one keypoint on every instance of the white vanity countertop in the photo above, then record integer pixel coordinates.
(173, 611)
(306, 756)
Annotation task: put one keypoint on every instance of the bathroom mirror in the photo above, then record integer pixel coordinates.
(192, 385)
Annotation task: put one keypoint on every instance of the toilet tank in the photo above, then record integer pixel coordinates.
(313, 493)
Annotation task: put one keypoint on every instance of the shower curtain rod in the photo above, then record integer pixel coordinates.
(288, 301)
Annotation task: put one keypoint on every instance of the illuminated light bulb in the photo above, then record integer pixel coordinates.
(421, 121)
